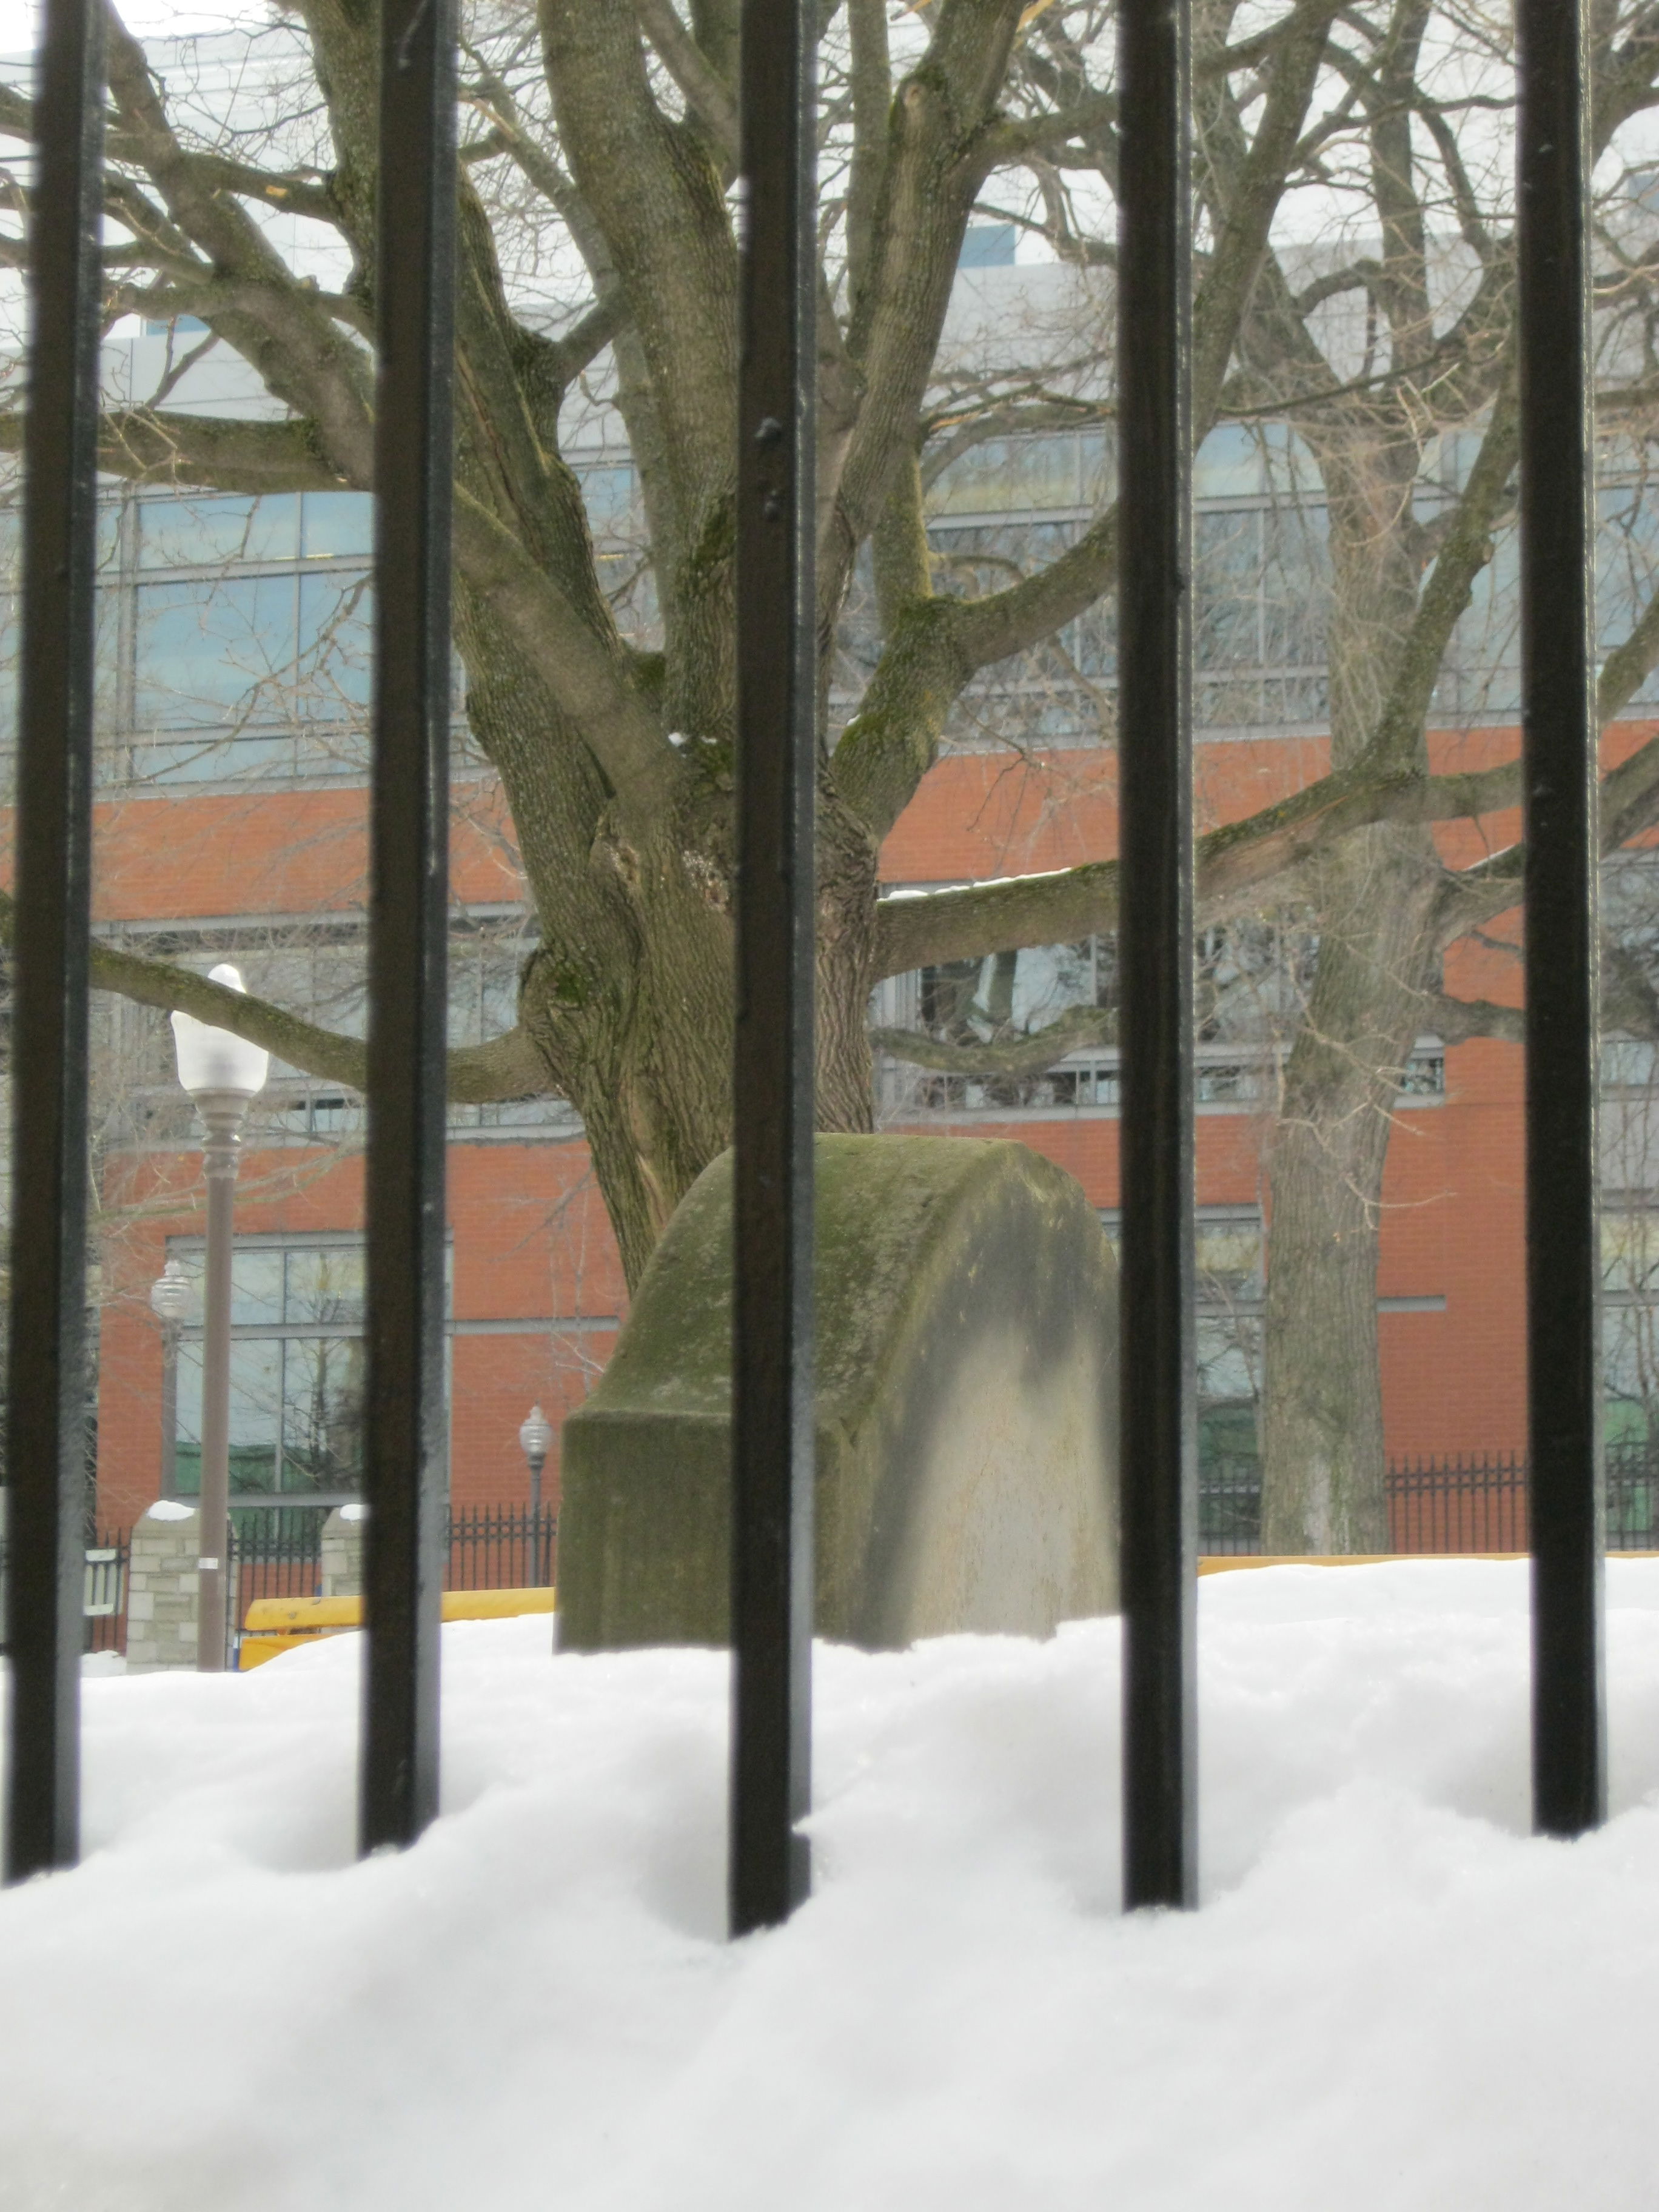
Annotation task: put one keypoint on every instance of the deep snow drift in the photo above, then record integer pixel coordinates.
(1393, 1998)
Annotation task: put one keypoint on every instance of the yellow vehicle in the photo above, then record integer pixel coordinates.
(276, 1624)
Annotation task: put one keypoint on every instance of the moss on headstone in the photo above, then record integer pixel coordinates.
(966, 1350)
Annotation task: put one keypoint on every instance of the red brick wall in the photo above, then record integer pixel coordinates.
(530, 1241)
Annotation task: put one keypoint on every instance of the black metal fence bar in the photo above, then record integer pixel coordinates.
(501, 1547)
(772, 1341)
(1558, 724)
(45, 1457)
(404, 1454)
(1159, 1400)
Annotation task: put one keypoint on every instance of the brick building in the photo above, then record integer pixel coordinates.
(231, 824)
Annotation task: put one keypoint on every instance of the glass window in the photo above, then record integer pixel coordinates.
(1006, 474)
(296, 1370)
(337, 525)
(336, 646)
(256, 1288)
(1228, 1254)
(1097, 455)
(1227, 563)
(974, 1000)
(215, 651)
(200, 532)
(216, 759)
(1296, 586)
(325, 1284)
(608, 495)
(322, 1414)
(1229, 463)
(1629, 1252)
(256, 1385)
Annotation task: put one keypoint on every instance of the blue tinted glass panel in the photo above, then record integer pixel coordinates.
(336, 645)
(1228, 545)
(337, 525)
(216, 651)
(208, 533)
(1228, 464)
(608, 495)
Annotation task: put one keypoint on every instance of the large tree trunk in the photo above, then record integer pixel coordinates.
(1324, 1469)
(1324, 1488)
(630, 1000)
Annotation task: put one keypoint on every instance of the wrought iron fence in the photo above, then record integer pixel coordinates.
(1453, 1503)
(501, 1547)
(103, 1590)
(1450, 1504)
(775, 628)
(279, 1554)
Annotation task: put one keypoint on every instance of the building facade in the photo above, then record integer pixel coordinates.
(234, 646)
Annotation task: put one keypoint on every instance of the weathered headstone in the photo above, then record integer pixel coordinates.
(967, 1357)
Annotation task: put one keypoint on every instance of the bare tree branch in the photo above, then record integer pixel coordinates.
(504, 1067)
(1021, 1055)
(706, 94)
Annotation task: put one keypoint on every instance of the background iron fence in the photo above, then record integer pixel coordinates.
(103, 1590)
(278, 1553)
(1444, 1504)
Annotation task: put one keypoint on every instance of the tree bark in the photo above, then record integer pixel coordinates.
(1324, 1466)
(1374, 891)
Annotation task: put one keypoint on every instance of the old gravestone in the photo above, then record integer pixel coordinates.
(967, 1347)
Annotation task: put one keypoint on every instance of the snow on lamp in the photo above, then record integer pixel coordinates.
(216, 1060)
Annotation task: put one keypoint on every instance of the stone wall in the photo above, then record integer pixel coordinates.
(162, 1588)
(343, 1552)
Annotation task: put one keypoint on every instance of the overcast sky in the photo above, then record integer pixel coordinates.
(20, 20)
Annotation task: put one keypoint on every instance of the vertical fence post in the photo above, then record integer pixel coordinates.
(404, 1457)
(46, 1422)
(1159, 1441)
(1563, 1010)
(772, 1454)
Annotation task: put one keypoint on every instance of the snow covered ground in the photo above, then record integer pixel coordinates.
(1393, 1998)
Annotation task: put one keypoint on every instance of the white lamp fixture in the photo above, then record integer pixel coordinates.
(536, 1436)
(536, 1441)
(170, 1294)
(216, 1060)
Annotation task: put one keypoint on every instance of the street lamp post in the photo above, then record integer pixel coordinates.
(169, 1300)
(223, 1074)
(536, 1441)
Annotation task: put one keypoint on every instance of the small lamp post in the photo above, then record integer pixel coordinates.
(170, 1301)
(536, 1441)
(223, 1074)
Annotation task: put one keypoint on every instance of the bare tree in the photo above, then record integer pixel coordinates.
(600, 152)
